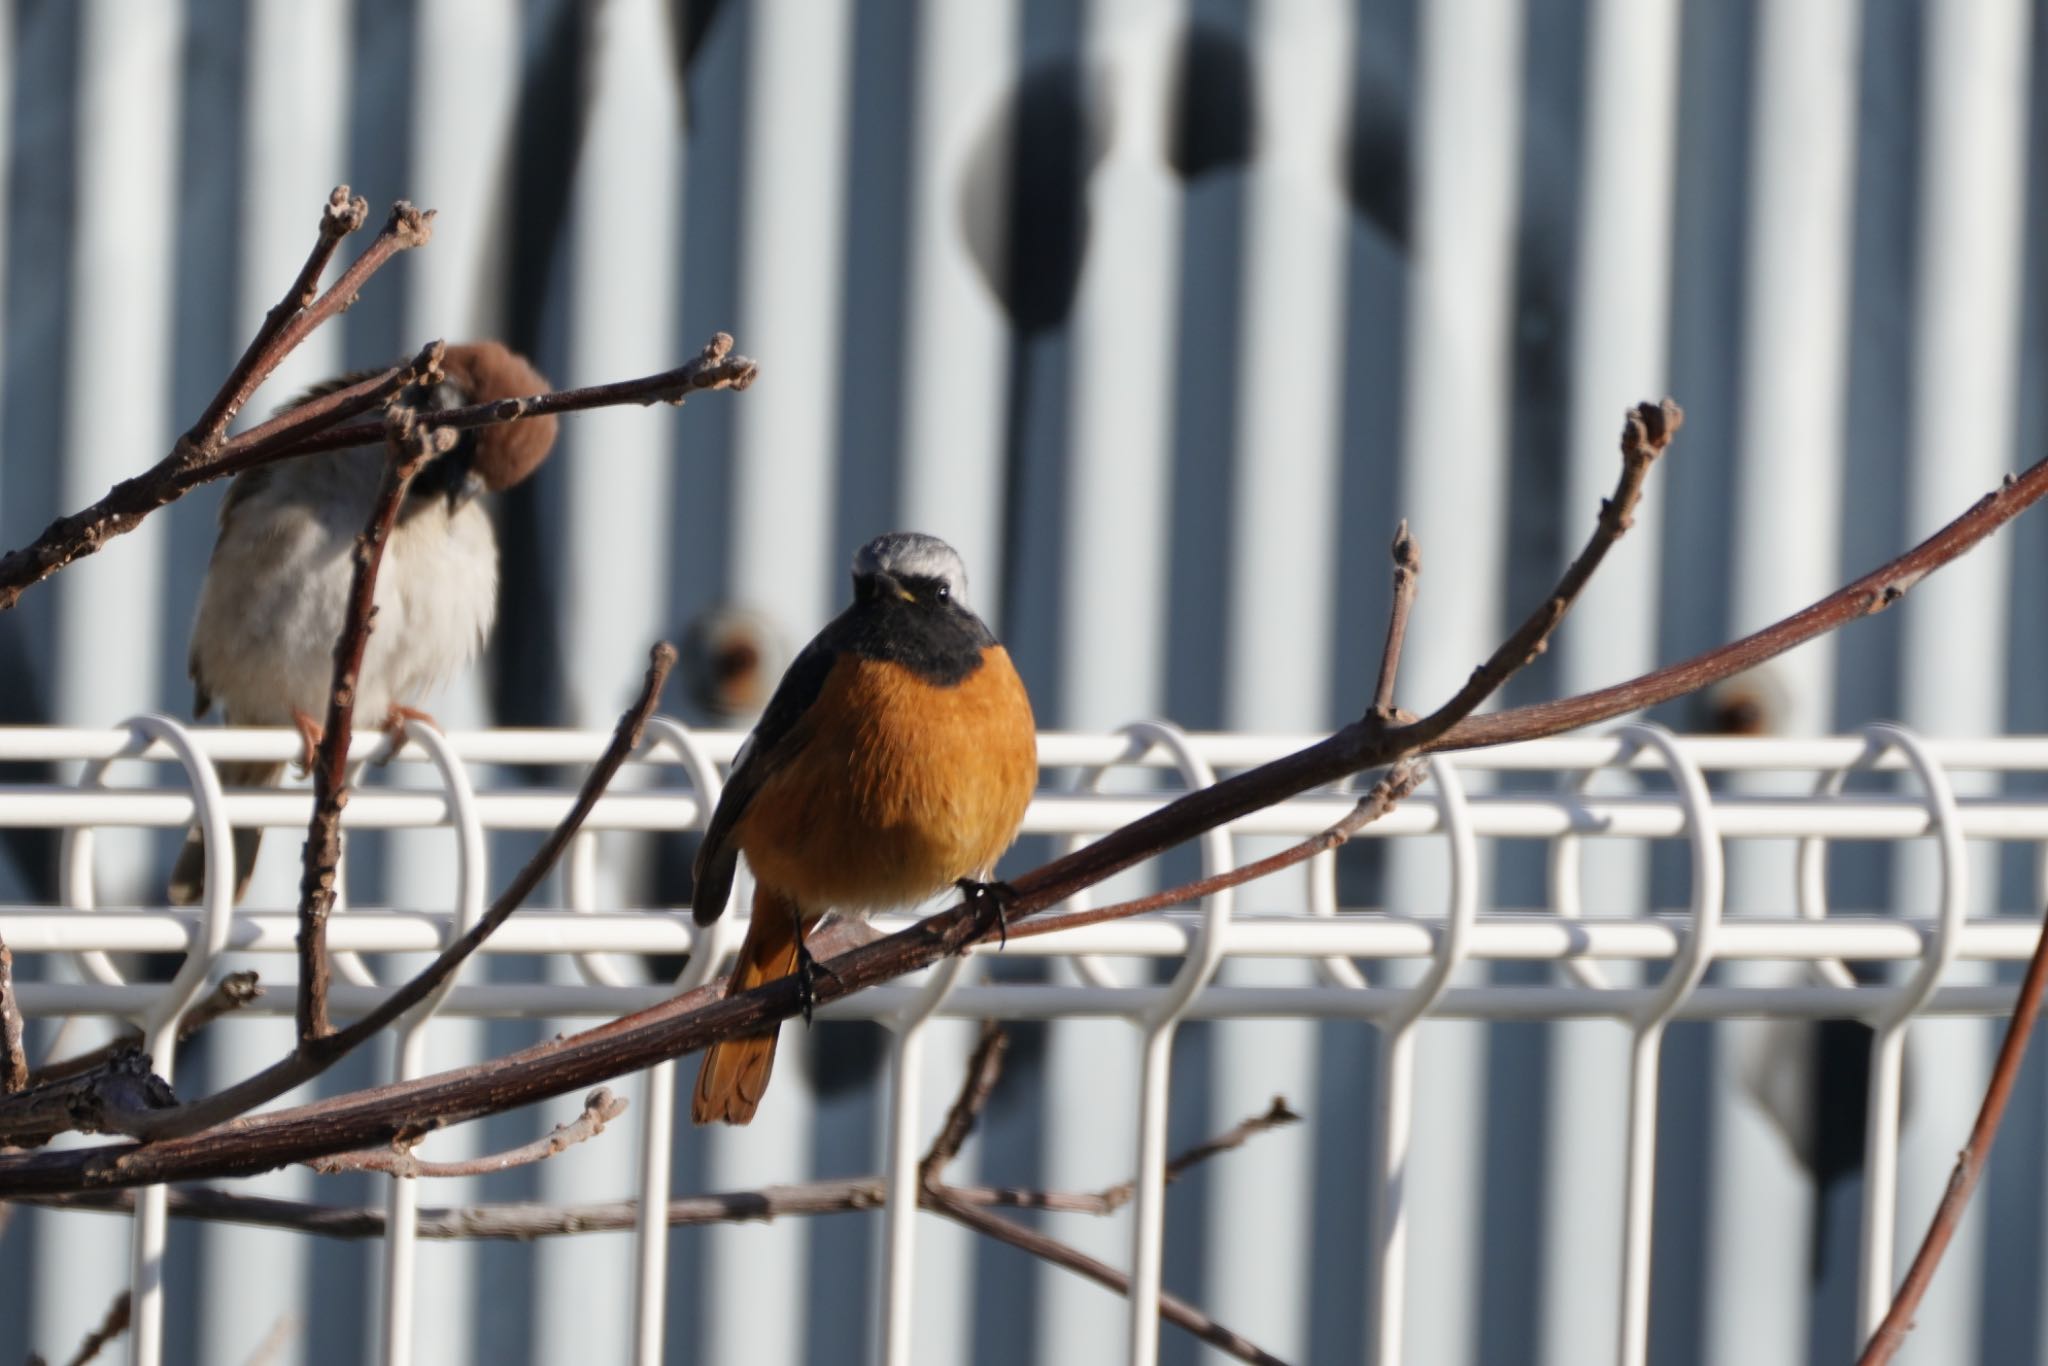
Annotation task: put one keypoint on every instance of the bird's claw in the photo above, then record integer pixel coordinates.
(310, 734)
(808, 970)
(986, 900)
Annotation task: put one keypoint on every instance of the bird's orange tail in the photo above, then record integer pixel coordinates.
(734, 1074)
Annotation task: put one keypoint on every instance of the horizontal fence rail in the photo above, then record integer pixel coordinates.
(1397, 966)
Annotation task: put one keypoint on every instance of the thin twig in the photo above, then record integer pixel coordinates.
(1172, 1308)
(1970, 1162)
(273, 1344)
(112, 1325)
(1275, 1116)
(367, 394)
(1397, 783)
(523, 1220)
(230, 994)
(13, 1056)
(309, 1061)
(204, 453)
(600, 1107)
(411, 447)
(342, 215)
(984, 1067)
(1407, 567)
(715, 367)
(193, 459)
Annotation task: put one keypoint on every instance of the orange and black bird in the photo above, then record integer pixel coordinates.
(895, 760)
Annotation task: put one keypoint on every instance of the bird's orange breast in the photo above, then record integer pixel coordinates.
(897, 789)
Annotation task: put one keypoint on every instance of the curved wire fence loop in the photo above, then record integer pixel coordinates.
(1953, 901)
(75, 850)
(1811, 875)
(1205, 951)
(1688, 966)
(472, 865)
(1453, 941)
(1565, 867)
(1334, 969)
(1892, 1013)
(1709, 873)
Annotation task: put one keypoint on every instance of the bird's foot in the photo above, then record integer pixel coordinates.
(989, 900)
(394, 729)
(808, 971)
(310, 733)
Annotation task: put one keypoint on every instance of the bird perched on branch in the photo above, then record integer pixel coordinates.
(895, 759)
(278, 584)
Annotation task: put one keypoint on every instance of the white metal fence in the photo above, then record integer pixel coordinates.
(1291, 270)
(1402, 968)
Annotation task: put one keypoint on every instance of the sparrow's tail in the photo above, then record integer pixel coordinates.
(188, 875)
(734, 1074)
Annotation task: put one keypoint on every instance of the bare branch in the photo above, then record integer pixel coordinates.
(13, 1057)
(1276, 1116)
(128, 502)
(230, 994)
(368, 394)
(600, 1107)
(715, 367)
(1172, 1308)
(411, 448)
(112, 1325)
(522, 1220)
(310, 1060)
(342, 215)
(1385, 794)
(984, 1067)
(1407, 568)
(1970, 1163)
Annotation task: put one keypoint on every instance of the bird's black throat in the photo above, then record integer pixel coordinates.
(939, 642)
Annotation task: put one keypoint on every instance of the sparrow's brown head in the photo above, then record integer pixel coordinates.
(483, 372)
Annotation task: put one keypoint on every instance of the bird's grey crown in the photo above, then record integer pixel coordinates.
(912, 554)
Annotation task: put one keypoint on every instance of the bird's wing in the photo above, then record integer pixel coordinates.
(779, 735)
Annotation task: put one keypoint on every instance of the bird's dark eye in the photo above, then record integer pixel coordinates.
(943, 592)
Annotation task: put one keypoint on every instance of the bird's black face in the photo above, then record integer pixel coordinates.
(916, 620)
(450, 475)
(925, 592)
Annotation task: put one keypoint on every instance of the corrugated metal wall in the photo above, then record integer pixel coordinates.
(1163, 313)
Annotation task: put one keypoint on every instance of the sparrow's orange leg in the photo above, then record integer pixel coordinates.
(310, 732)
(394, 728)
(396, 718)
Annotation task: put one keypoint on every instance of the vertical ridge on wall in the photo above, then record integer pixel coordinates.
(1620, 325)
(793, 212)
(1111, 585)
(1280, 612)
(1966, 330)
(1788, 457)
(107, 618)
(1454, 484)
(461, 165)
(292, 128)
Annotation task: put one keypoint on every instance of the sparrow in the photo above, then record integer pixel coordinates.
(896, 758)
(278, 583)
